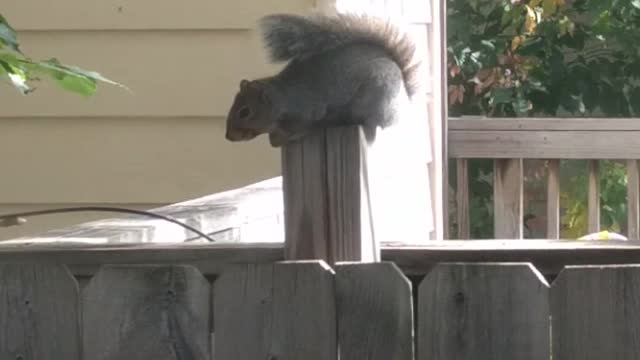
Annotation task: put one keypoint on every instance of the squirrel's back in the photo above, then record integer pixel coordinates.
(293, 37)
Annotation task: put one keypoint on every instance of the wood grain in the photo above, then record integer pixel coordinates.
(281, 311)
(38, 313)
(242, 313)
(595, 312)
(213, 259)
(542, 144)
(304, 313)
(633, 200)
(544, 124)
(326, 197)
(508, 198)
(483, 311)
(553, 199)
(351, 223)
(462, 198)
(304, 188)
(593, 196)
(146, 312)
(86, 259)
(375, 312)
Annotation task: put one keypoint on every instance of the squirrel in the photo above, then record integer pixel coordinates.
(343, 69)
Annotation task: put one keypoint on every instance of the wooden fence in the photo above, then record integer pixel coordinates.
(308, 310)
(95, 292)
(508, 141)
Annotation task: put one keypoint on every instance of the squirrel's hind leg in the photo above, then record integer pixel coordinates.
(377, 104)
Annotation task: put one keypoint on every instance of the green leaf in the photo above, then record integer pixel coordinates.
(501, 96)
(521, 105)
(72, 78)
(16, 76)
(635, 4)
(8, 35)
(66, 78)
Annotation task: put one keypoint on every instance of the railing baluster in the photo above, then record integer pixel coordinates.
(553, 199)
(507, 198)
(633, 199)
(462, 198)
(594, 196)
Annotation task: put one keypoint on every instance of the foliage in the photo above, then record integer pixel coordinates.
(613, 212)
(20, 70)
(552, 58)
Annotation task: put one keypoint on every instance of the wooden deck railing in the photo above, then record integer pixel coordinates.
(508, 141)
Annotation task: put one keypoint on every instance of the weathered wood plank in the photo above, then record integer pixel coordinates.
(486, 311)
(304, 313)
(86, 259)
(507, 198)
(544, 144)
(242, 313)
(327, 198)
(304, 188)
(544, 124)
(349, 204)
(375, 312)
(633, 200)
(146, 312)
(595, 311)
(553, 199)
(38, 313)
(276, 311)
(593, 196)
(462, 198)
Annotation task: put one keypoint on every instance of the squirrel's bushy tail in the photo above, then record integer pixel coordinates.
(289, 37)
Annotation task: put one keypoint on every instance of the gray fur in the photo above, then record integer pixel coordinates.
(294, 37)
(341, 70)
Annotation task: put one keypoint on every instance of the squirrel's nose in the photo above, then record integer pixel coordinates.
(235, 134)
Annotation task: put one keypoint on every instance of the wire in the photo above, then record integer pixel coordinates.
(19, 218)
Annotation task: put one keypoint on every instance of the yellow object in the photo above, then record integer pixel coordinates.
(603, 235)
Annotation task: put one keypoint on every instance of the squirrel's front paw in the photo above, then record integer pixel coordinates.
(278, 138)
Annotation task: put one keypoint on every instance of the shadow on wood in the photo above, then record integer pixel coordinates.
(146, 312)
(38, 313)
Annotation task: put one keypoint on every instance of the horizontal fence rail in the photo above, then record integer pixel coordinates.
(306, 309)
(549, 256)
(511, 140)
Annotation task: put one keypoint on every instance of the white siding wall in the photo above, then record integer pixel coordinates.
(164, 143)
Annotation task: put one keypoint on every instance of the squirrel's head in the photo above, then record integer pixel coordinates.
(250, 114)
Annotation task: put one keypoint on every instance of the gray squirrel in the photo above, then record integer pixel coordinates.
(343, 69)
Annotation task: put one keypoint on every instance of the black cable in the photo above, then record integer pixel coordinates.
(19, 218)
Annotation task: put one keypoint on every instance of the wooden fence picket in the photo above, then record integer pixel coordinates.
(242, 313)
(290, 315)
(375, 312)
(595, 311)
(483, 312)
(146, 313)
(38, 313)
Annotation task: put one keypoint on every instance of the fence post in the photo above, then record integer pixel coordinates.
(327, 202)
(344, 194)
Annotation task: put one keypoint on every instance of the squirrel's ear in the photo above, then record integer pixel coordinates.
(244, 83)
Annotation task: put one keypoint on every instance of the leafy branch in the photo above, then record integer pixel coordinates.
(521, 58)
(20, 70)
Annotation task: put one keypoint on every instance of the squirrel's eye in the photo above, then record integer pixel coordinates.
(244, 112)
